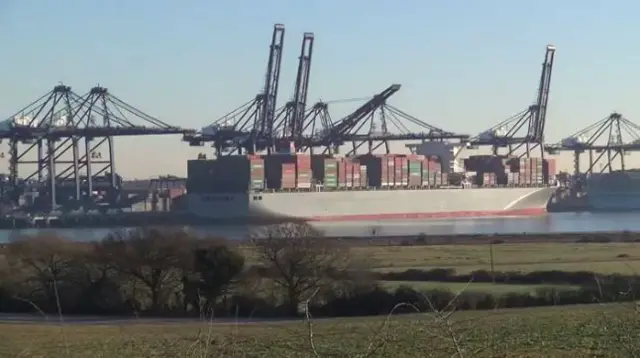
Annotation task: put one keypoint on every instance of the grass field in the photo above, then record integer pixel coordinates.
(577, 331)
(456, 287)
(526, 257)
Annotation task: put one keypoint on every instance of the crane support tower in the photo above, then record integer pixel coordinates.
(510, 133)
(606, 143)
(68, 138)
(265, 135)
(290, 121)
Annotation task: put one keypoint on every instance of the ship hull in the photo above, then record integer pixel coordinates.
(614, 192)
(369, 205)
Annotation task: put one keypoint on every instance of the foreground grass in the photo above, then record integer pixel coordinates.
(526, 257)
(578, 331)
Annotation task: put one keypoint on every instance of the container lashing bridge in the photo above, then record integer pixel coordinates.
(522, 133)
(606, 142)
(69, 138)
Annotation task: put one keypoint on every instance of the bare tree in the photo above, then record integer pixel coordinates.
(156, 258)
(47, 263)
(298, 259)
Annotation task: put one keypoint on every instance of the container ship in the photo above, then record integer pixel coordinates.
(615, 191)
(270, 188)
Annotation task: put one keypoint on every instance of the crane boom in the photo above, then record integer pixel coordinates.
(543, 95)
(349, 122)
(302, 86)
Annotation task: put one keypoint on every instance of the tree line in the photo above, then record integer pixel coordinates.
(279, 271)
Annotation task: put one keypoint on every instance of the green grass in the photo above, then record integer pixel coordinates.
(526, 257)
(577, 331)
(456, 287)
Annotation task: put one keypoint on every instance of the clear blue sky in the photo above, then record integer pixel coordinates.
(464, 65)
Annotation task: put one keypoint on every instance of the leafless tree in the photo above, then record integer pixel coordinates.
(47, 263)
(298, 259)
(153, 257)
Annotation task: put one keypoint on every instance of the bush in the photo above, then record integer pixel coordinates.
(576, 278)
(171, 273)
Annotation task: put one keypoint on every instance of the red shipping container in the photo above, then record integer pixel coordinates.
(348, 168)
(404, 174)
(390, 170)
(397, 172)
(288, 168)
(342, 173)
(550, 167)
(303, 161)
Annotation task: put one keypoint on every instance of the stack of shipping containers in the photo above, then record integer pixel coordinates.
(512, 168)
(415, 171)
(525, 171)
(537, 174)
(364, 176)
(425, 173)
(511, 171)
(342, 173)
(351, 175)
(200, 176)
(317, 167)
(386, 171)
(373, 170)
(404, 176)
(256, 173)
(549, 171)
(288, 176)
(225, 175)
(489, 179)
(330, 173)
(286, 171)
(273, 170)
(303, 171)
(242, 173)
(396, 179)
(434, 171)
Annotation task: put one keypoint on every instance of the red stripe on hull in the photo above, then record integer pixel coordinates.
(434, 215)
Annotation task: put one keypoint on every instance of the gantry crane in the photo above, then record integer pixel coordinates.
(254, 126)
(524, 130)
(610, 139)
(64, 135)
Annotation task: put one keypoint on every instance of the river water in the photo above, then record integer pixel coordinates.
(550, 223)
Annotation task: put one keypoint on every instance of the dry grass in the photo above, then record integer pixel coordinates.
(526, 257)
(578, 331)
